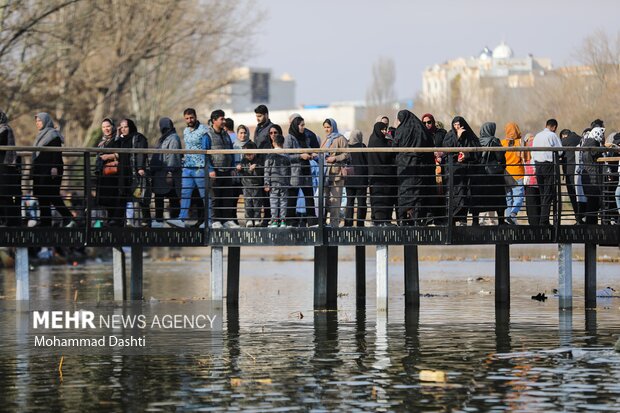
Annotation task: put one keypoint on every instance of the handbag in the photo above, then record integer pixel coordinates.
(110, 168)
(509, 179)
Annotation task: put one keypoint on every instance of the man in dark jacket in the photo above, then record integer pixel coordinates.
(570, 140)
(357, 183)
(261, 134)
(224, 200)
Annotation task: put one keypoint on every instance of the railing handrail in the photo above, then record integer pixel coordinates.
(77, 150)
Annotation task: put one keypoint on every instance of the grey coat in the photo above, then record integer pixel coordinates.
(298, 178)
(162, 163)
(277, 170)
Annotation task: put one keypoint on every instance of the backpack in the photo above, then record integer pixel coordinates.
(494, 162)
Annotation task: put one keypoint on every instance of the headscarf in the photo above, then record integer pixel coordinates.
(9, 156)
(104, 140)
(378, 138)
(334, 126)
(598, 134)
(529, 139)
(410, 133)
(293, 129)
(468, 130)
(356, 137)
(512, 131)
(133, 129)
(433, 129)
(293, 116)
(487, 133)
(46, 134)
(247, 133)
(166, 127)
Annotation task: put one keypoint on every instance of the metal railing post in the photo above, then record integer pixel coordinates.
(450, 211)
(558, 193)
(321, 214)
(87, 198)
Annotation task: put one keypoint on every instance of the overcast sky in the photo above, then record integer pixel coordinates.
(329, 46)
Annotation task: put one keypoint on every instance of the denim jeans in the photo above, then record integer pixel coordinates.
(193, 178)
(514, 198)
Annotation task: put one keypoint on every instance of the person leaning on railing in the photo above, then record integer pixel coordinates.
(545, 174)
(110, 177)
(592, 174)
(47, 170)
(515, 191)
(334, 162)
(10, 177)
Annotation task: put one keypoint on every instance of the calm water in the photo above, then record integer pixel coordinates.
(536, 358)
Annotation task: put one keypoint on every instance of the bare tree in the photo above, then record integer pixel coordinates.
(380, 96)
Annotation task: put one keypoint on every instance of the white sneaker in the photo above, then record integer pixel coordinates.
(71, 224)
(201, 226)
(157, 224)
(216, 225)
(230, 224)
(249, 224)
(179, 223)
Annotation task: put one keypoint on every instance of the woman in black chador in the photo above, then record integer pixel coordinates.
(464, 166)
(381, 176)
(416, 170)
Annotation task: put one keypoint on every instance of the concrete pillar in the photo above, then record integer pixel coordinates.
(136, 273)
(217, 273)
(382, 278)
(590, 275)
(325, 277)
(232, 276)
(565, 275)
(22, 274)
(119, 276)
(412, 276)
(502, 274)
(360, 276)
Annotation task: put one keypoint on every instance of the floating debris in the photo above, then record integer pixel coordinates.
(539, 297)
(436, 376)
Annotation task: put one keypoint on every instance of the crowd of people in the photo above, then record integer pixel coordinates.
(280, 189)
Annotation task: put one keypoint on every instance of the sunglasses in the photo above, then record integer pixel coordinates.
(428, 122)
(273, 132)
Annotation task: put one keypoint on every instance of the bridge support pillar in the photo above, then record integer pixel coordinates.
(502, 274)
(565, 275)
(590, 275)
(22, 274)
(217, 273)
(382, 278)
(119, 277)
(136, 273)
(412, 276)
(360, 276)
(325, 277)
(232, 277)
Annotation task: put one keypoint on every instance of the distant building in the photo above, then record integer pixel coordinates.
(476, 85)
(252, 87)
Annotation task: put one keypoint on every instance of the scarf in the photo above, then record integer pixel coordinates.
(512, 132)
(356, 137)
(166, 127)
(330, 138)
(107, 139)
(46, 134)
(487, 133)
(598, 134)
(433, 129)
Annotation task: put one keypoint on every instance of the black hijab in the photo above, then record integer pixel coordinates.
(166, 128)
(377, 138)
(293, 130)
(411, 132)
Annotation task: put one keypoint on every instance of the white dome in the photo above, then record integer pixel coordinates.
(503, 51)
(485, 54)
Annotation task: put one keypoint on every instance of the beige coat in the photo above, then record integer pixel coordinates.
(333, 169)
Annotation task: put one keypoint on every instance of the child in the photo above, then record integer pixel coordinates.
(251, 173)
(277, 182)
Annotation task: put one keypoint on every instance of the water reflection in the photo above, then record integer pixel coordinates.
(345, 360)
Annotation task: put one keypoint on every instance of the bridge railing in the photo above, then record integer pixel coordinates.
(419, 187)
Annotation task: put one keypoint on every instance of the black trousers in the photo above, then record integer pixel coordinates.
(570, 188)
(532, 205)
(383, 200)
(546, 185)
(174, 204)
(593, 193)
(356, 194)
(224, 198)
(10, 196)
